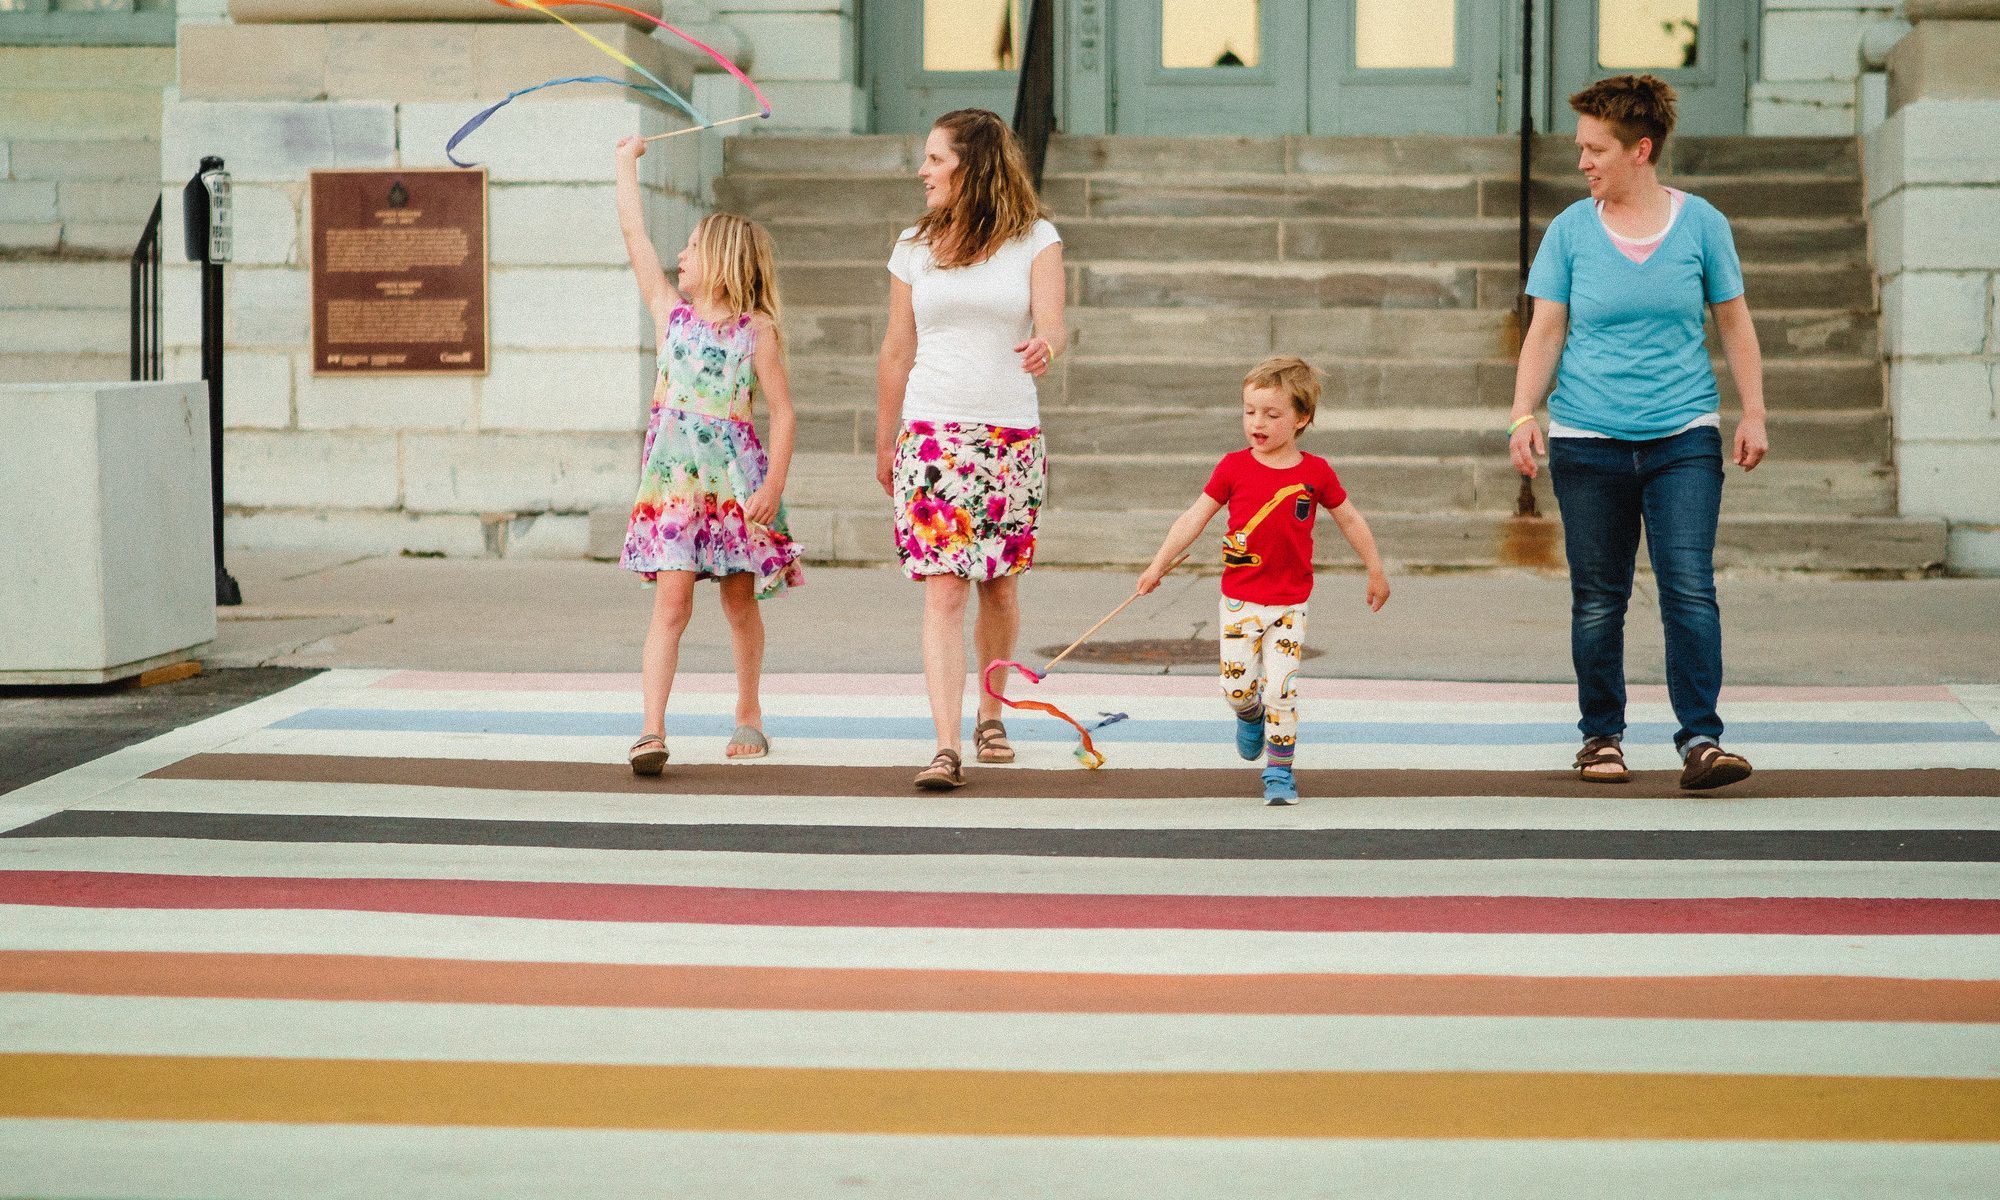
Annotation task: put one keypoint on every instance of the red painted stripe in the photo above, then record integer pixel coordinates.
(1008, 910)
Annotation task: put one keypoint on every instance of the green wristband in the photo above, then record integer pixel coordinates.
(1518, 422)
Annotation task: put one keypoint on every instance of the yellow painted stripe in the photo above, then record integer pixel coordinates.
(1110, 1104)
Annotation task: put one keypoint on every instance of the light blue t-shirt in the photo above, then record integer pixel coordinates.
(1634, 364)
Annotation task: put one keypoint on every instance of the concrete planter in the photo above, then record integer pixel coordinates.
(106, 564)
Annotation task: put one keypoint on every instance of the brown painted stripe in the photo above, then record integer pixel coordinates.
(1015, 783)
(820, 989)
(1357, 1104)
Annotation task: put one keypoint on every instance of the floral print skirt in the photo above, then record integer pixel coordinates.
(700, 471)
(967, 496)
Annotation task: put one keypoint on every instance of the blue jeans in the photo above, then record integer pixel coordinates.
(1608, 490)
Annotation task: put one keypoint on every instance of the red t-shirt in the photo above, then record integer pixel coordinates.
(1284, 538)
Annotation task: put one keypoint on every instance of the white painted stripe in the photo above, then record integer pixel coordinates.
(105, 1159)
(998, 873)
(967, 809)
(50, 1024)
(277, 931)
(914, 753)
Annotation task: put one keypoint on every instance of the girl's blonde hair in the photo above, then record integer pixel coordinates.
(738, 264)
(994, 199)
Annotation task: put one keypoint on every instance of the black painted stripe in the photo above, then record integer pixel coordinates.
(1737, 845)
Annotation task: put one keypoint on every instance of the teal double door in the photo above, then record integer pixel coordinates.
(1268, 67)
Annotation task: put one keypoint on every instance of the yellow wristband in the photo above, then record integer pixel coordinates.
(1518, 422)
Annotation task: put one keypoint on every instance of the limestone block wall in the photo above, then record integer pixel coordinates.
(803, 54)
(1933, 172)
(508, 463)
(1820, 71)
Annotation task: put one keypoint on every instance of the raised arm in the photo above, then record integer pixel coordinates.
(1185, 529)
(1541, 347)
(1047, 289)
(892, 375)
(1738, 334)
(654, 286)
(776, 389)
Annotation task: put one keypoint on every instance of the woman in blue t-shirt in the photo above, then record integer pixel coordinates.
(1621, 284)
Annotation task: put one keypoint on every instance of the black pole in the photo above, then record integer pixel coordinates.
(226, 590)
(1524, 309)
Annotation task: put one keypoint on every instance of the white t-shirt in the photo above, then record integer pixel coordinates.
(969, 319)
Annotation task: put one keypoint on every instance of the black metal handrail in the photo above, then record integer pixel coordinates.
(146, 301)
(1035, 95)
(1527, 153)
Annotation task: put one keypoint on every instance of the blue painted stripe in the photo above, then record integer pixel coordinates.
(1039, 729)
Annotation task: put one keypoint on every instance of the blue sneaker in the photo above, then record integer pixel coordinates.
(1278, 786)
(1250, 739)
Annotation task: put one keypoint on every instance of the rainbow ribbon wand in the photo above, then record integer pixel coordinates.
(1087, 752)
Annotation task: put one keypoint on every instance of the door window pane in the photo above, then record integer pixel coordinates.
(972, 35)
(1208, 33)
(1634, 34)
(1405, 33)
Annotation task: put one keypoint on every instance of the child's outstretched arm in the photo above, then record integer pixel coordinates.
(776, 388)
(1186, 528)
(1354, 527)
(654, 286)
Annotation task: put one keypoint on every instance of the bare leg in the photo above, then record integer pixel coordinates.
(944, 653)
(673, 604)
(746, 642)
(994, 632)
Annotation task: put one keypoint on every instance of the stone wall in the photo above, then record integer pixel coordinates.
(506, 463)
(1933, 171)
(1821, 66)
(803, 54)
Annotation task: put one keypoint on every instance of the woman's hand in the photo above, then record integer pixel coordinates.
(1035, 356)
(1525, 446)
(631, 148)
(1378, 591)
(1752, 443)
(762, 508)
(885, 470)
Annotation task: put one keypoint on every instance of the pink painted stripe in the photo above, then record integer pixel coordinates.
(1823, 916)
(1173, 686)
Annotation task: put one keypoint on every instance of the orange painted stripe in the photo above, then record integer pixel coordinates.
(618, 985)
(1361, 1104)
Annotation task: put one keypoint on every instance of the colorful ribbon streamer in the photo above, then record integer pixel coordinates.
(654, 86)
(1087, 753)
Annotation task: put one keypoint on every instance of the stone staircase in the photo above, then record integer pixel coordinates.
(1387, 262)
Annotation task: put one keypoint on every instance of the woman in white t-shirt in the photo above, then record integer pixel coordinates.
(975, 317)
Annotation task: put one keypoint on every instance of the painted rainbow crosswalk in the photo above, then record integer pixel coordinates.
(421, 933)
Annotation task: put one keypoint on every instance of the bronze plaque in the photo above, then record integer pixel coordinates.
(399, 272)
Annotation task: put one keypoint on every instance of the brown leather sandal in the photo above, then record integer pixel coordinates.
(648, 761)
(991, 738)
(1710, 766)
(1600, 751)
(943, 774)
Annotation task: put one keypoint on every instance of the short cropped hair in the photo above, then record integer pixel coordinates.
(1635, 106)
(1293, 376)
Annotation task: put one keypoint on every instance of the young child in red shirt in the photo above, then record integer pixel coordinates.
(1272, 490)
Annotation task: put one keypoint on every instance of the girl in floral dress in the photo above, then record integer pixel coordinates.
(710, 503)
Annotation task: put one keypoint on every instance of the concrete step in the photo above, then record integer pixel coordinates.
(1818, 157)
(1831, 435)
(1490, 241)
(1128, 538)
(65, 285)
(1351, 382)
(1457, 483)
(1430, 334)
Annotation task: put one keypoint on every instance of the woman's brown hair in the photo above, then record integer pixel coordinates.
(993, 199)
(1635, 106)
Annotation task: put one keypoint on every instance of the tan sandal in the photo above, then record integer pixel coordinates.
(1601, 751)
(943, 774)
(991, 738)
(645, 761)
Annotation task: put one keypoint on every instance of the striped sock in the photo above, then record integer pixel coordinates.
(1247, 715)
(1278, 756)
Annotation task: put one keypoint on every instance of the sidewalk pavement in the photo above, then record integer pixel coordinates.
(321, 610)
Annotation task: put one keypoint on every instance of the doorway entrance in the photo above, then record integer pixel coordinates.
(1274, 67)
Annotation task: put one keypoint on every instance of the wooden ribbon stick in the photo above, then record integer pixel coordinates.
(1087, 752)
(756, 116)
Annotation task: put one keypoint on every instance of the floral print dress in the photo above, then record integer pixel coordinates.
(703, 463)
